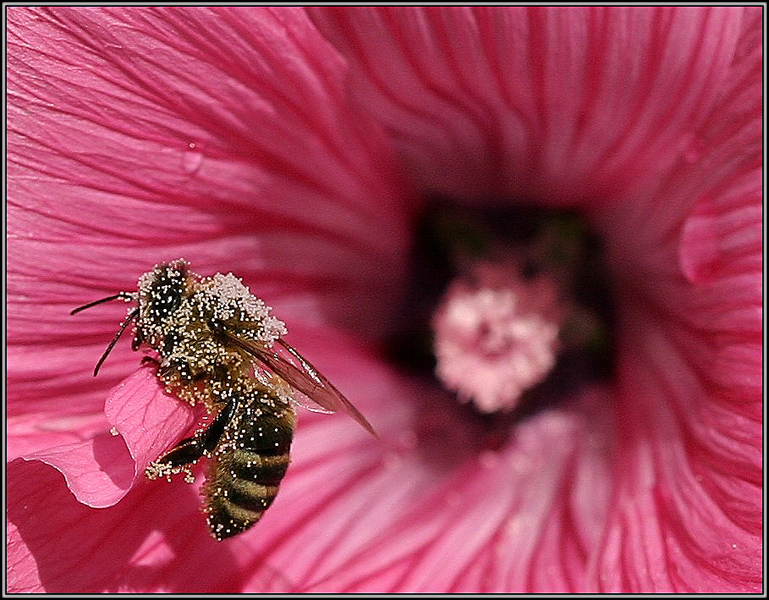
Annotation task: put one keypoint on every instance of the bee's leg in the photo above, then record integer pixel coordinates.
(190, 449)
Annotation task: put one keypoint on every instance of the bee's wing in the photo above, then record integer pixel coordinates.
(304, 378)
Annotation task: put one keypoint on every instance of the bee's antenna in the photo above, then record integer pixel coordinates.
(120, 296)
(133, 314)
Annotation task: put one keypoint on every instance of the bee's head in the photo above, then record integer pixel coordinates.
(161, 291)
(160, 294)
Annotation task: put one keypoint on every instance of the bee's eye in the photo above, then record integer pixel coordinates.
(165, 298)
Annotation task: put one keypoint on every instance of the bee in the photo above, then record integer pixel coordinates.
(217, 344)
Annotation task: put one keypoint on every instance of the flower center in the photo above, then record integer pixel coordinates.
(495, 335)
(508, 309)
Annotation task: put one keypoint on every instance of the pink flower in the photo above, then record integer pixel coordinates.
(297, 149)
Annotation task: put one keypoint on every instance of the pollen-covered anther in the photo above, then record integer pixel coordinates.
(497, 335)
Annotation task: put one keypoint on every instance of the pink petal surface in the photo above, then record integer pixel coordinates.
(151, 540)
(689, 495)
(146, 417)
(145, 420)
(146, 140)
(31, 433)
(524, 518)
(98, 471)
(558, 105)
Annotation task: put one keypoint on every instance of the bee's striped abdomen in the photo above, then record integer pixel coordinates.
(247, 468)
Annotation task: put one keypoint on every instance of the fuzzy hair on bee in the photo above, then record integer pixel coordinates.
(218, 345)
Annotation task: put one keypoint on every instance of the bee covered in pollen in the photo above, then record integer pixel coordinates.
(218, 345)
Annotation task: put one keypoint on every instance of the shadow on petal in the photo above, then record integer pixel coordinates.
(154, 540)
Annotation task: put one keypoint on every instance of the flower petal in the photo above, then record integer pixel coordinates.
(136, 137)
(555, 104)
(687, 511)
(138, 157)
(522, 519)
(687, 514)
(100, 470)
(148, 418)
(154, 540)
(30, 433)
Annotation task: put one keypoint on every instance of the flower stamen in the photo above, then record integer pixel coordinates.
(496, 335)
